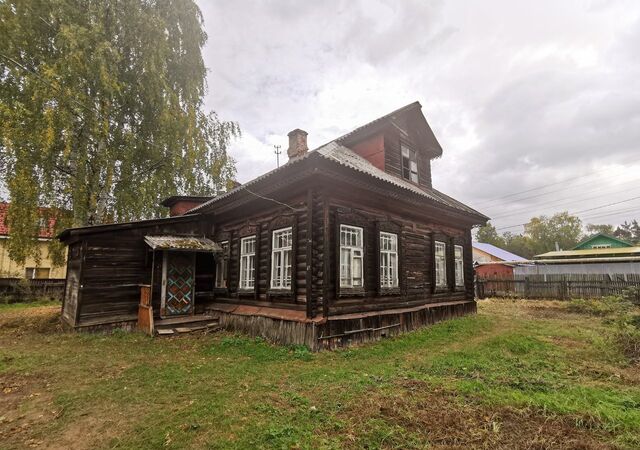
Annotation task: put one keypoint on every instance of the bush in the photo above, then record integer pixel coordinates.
(602, 307)
(627, 339)
(623, 312)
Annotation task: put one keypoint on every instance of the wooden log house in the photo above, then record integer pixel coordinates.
(346, 243)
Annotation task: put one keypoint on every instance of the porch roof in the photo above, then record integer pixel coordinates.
(182, 243)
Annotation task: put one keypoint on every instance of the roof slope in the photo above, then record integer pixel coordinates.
(497, 252)
(346, 157)
(621, 251)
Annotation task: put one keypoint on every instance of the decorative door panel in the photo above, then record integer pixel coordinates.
(179, 286)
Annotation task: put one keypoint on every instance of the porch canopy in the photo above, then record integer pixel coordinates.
(182, 243)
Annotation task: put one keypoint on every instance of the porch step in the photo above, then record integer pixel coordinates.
(180, 325)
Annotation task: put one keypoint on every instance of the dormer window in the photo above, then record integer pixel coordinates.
(409, 164)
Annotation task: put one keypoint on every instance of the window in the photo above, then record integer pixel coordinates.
(37, 273)
(221, 266)
(388, 260)
(281, 258)
(247, 262)
(602, 246)
(459, 265)
(441, 264)
(409, 164)
(350, 257)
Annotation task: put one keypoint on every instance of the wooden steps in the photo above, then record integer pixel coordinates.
(188, 324)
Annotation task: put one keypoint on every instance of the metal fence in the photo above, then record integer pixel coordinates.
(23, 289)
(560, 287)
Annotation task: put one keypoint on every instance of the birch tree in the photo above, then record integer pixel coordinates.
(101, 112)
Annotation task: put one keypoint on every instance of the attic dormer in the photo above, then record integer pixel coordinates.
(401, 143)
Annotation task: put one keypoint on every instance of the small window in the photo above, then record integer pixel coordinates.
(459, 265)
(441, 264)
(221, 266)
(602, 246)
(409, 164)
(247, 262)
(351, 250)
(281, 258)
(39, 273)
(388, 260)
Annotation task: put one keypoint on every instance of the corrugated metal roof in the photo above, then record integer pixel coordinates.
(497, 252)
(622, 251)
(348, 158)
(601, 259)
(187, 243)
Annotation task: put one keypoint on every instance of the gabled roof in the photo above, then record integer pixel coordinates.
(497, 252)
(427, 136)
(602, 235)
(335, 152)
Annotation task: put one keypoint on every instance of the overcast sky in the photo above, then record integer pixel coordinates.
(519, 94)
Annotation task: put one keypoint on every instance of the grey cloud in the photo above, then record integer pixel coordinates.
(518, 94)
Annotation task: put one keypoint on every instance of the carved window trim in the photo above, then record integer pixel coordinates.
(281, 222)
(349, 217)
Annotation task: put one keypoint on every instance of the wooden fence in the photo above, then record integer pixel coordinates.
(560, 287)
(22, 289)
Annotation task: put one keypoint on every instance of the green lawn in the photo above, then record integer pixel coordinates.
(522, 374)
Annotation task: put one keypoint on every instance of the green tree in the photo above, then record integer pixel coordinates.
(520, 245)
(629, 231)
(101, 111)
(561, 228)
(593, 228)
(488, 235)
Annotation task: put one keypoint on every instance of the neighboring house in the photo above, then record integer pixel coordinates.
(31, 268)
(599, 254)
(601, 240)
(346, 243)
(484, 253)
(493, 262)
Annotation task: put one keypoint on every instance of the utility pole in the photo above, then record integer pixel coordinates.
(277, 151)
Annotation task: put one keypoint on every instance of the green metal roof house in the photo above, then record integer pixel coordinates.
(598, 254)
(602, 240)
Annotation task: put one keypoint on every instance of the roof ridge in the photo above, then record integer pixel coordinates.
(379, 119)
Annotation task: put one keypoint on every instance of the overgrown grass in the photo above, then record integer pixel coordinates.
(516, 374)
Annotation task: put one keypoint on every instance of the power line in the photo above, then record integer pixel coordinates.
(484, 202)
(563, 201)
(577, 212)
(560, 190)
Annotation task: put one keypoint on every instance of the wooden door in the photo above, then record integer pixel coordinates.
(178, 286)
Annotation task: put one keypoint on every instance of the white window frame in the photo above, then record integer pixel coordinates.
(221, 266)
(458, 264)
(247, 263)
(601, 246)
(413, 163)
(388, 260)
(281, 273)
(350, 254)
(440, 261)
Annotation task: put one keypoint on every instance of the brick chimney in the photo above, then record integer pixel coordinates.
(297, 143)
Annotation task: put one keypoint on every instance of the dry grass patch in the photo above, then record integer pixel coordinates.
(415, 415)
